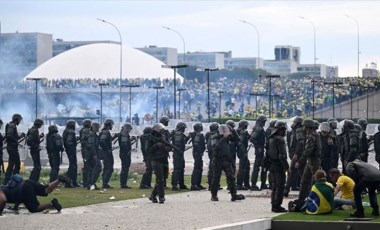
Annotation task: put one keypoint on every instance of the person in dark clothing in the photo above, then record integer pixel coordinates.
(70, 144)
(83, 136)
(54, 147)
(335, 151)
(18, 191)
(349, 144)
(125, 144)
(242, 181)
(165, 121)
(93, 156)
(258, 140)
(147, 177)
(199, 146)
(1, 150)
(328, 147)
(12, 138)
(213, 130)
(158, 152)
(105, 142)
(363, 140)
(179, 139)
(33, 141)
(220, 143)
(376, 143)
(365, 176)
(278, 164)
(233, 147)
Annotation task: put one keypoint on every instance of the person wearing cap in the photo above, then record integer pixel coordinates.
(312, 157)
(105, 143)
(335, 152)
(70, 144)
(328, 147)
(54, 148)
(12, 137)
(278, 164)
(376, 143)
(33, 141)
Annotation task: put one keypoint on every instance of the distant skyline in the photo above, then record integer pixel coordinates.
(212, 26)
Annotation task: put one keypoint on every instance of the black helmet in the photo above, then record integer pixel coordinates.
(358, 128)
(316, 124)
(243, 124)
(70, 123)
(297, 121)
(198, 127)
(261, 118)
(181, 126)
(280, 125)
(147, 130)
(333, 122)
(87, 123)
(230, 123)
(16, 116)
(108, 122)
(53, 128)
(214, 127)
(95, 126)
(127, 126)
(362, 122)
(38, 122)
(272, 123)
(164, 120)
(158, 127)
(349, 125)
(308, 123)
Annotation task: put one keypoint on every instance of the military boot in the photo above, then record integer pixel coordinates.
(237, 197)
(375, 211)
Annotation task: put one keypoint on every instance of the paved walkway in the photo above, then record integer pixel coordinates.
(189, 210)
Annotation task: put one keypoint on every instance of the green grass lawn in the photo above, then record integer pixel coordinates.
(74, 197)
(338, 215)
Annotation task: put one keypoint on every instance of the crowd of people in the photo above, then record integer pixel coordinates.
(292, 96)
(303, 159)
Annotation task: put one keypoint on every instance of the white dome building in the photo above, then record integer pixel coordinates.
(102, 61)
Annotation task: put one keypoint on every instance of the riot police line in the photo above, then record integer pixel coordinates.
(274, 149)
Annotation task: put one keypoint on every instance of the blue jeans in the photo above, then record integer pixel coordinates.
(339, 202)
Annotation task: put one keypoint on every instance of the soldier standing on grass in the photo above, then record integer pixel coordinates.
(93, 156)
(125, 145)
(199, 147)
(54, 146)
(70, 143)
(33, 141)
(105, 142)
(83, 136)
(179, 139)
(213, 130)
(146, 179)
(243, 174)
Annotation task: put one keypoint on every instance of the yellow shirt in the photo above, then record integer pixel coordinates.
(346, 187)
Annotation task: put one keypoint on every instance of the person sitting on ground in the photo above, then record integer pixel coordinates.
(345, 185)
(321, 196)
(365, 176)
(18, 191)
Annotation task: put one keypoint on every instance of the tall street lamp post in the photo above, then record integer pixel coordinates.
(315, 45)
(130, 98)
(270, 91)
(179, 100)
(357, 26)
(208, 89)
(101, 100)
(36, 81)
(333, 92)
(174, 67)
(220, 92)
(121, 62)
(157, 88)
(184, 45)
(258, 41)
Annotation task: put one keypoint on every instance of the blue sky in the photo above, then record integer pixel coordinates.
(212, 26)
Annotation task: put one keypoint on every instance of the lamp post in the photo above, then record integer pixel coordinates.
(208, 88)
(315, 45)
(257, 94)
(179, 97)
(101, 100)
(174, 67)
(36, 81)
(121, 62)
(130, 98)
(352, 85)
(333, 99)
(220, 92)
(184, 45)
(368, 88)
(357, 26)
(270, 91)
(258, 41)
(157, 88)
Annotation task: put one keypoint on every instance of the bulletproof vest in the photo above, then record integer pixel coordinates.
(363, 143)
(274, 151)
(69, 138)
(124, 141)
(178, 139)
(199, 142)
(33, 137)
(220, 146)
(11, 134)
(155, 153)
(143, 141)
(83, 135)
(208, 141)
(314, 142)
(54, 143)
(93, 140)
(258, 137)
(244, 137)
(105, 140)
